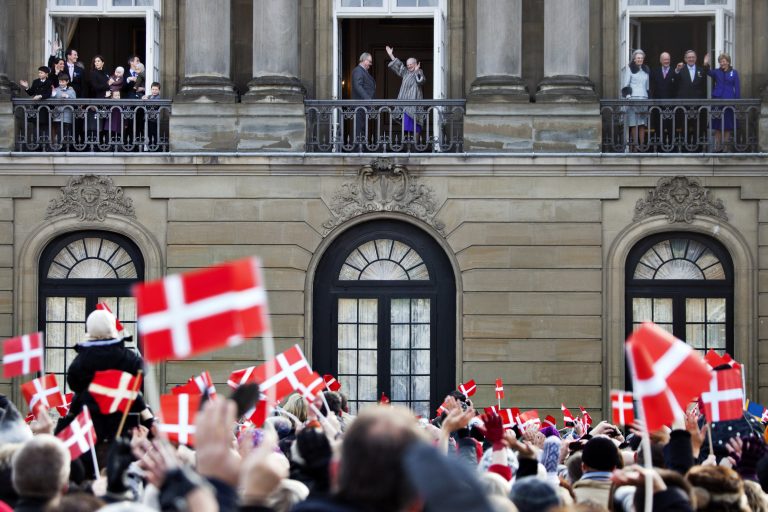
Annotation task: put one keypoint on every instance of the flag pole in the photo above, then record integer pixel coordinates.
(130, 403)
(498, 400)
(645, 440)
(93, 445)
(709, 436)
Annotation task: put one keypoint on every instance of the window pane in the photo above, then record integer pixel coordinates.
(716, 310)
(348, 273)
(420, 336)
(347, 310)
(421, 388)
(399, 388)
(367, 388)
(399, 336)
(714, 272)
(55, 308)
(642, 310)
(695, 336)
(76, 309)
(716, 336)
(400, 310)
(695, 310)
(347, 336)
(367, 361)
(367, 337)
(421, 310)
(679, 269)
(399, 362)
(347, 362)
(384, 270)
(368, 310)
(662, 310)
(420, 362)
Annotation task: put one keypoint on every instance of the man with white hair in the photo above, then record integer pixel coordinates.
(40, 473)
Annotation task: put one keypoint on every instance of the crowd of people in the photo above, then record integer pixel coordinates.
(687, 81)
(317, 457)
(66, 78)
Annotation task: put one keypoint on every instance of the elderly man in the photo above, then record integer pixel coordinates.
(692, 84)
(410, 89)
(663, 87)
(363, 88)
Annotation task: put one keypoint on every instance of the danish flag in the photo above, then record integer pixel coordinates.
(623, 408)
(114, 390)
(22, 355)
(442, 409)
(508, 418)
(586, 419)
(529, 419)
(118, 326)
(666, 374)
(197, 386)
(79, 437)
(567, 416)
(64, 409)
(258, 414)
(331, 382)
(42, 393)
(724, 400)
(515, 415)
(550, 421)
(178, 414)
(200, 311)
(499, 389)
(310, 386)
(468, 388)
(278, 377)
(491, 411)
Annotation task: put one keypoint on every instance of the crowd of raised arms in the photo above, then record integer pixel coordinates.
(200, 451)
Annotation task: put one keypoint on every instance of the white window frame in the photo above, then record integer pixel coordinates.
(390, 9)
(104, 8)
(724, 19)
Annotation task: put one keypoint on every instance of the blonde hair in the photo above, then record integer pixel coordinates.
(724, 56)
(296, 405)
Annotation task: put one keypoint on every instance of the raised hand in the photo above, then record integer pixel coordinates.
(24, 84)
(390, 52)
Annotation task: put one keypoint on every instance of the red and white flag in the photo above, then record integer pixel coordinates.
(530, 419)
(64, 409)
(42, 393)
(384, 400)
(258, 414)
(468, 388)
(22, 355)
(79, 437)
(724, 399)
(727, 359)
(714, 359)
(200, 311)
(623, 408)
(499, 389)
(118, 326)
(178, 414)
(550, 421)
(113, 390)
(586, 419)
(197, 386)
(508, 418)
(491, 411)
(310, 386)
(516, 416)
(331, 382)
(276, 378)
(666, 372)
(442, 409)
(567, 416)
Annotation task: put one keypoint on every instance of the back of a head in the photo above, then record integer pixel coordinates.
(334, 402)
(101, 325)
(717, 488)
(530, 494)
(79, 502)
(371, 474)
(296, 405)
(41, 468)
(600, 454)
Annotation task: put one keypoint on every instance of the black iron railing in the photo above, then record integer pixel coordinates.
(684, 126)
(92, 125)
(383, 126)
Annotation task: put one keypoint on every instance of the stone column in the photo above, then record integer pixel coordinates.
(566, 52)
(275, 52)
(5, 40)
(207, 53)
(499, 45)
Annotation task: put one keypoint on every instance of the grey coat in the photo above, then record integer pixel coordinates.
(410, 89)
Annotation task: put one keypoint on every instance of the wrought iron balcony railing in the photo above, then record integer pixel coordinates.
(384, 126)
(680, 126)
(91, 125)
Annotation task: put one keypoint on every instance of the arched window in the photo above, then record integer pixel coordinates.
(384, 316)
(77, 271)
(684, 283)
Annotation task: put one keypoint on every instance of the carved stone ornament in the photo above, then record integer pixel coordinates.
(91, 198)
(383, 186)
(680, 199)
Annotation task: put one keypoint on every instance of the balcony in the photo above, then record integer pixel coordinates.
(681, 126)
(91, 125)
(347, 126)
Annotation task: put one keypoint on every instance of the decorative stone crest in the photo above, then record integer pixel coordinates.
(384, 186)
(91, 198)
(680, 199)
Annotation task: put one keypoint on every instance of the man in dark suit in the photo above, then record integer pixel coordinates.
(663, 87)
(692, 85)
(363, 88)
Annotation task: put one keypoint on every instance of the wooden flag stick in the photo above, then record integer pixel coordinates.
(709, 436)
(498, 400)
(130, 403)
(93, 445)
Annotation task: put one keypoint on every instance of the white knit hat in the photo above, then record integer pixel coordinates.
(101, 325)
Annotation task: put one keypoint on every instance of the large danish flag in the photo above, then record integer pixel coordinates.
(22, 355)
(79, 436)
(178, 414)
(200, 311)
(113, 390)
(623, 408)
(42, 393)
(666, 374)
(197, 386)
(276, 378)
(724, 400)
